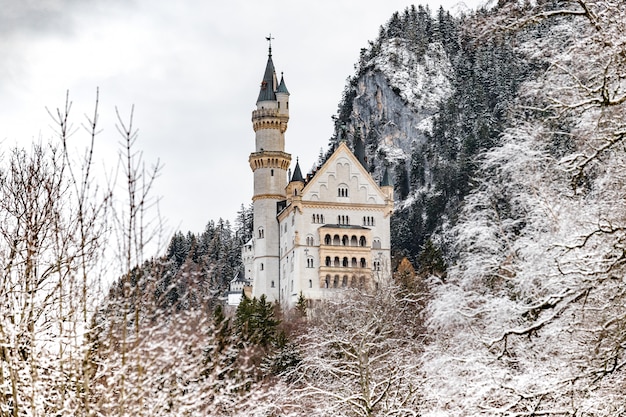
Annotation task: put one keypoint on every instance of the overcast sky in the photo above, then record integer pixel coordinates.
(192, 69)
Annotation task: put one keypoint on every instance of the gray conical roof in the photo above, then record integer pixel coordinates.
(297, 173)
(385, 181)
(282, 87)
(359, 149)
(268, 85)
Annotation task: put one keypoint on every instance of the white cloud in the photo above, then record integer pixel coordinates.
(192, 69)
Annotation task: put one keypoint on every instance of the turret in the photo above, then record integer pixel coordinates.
(387, 188)
(269, 162)
(296, 184)
(282, 96)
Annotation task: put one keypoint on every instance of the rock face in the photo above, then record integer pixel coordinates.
(396, 95)
(427, 100)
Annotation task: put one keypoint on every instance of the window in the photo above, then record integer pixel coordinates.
(261, 267)
(318, 218)
(309, 262)
(327, 240)
(310, 284)
(363, 263)
(362, 241)
(328, 261)
(261, 233)
(376, 265)
(342, 191)
(368, 221)
(376, 244)
(337, 262)
(272, 172)
(336, 281)
(344, 281)
(354, 241)
(355, 264)
(344, 263)
(273, 286)
(310, 241)
(327, 281)
(344, 240)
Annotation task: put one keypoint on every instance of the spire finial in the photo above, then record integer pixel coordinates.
(269, 40)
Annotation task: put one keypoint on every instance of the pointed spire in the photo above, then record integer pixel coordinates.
(268, 85)
(359, 148)
(385, 181)
(282, 88)
(297, 173)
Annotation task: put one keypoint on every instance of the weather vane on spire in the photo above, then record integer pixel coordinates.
(269, 40)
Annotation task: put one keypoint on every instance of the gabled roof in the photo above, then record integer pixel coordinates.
(343, 150)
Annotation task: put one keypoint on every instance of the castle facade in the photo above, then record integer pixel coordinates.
(318, 234)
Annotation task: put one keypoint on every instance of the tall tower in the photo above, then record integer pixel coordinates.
(269, 163)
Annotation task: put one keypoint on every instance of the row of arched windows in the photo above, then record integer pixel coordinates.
(342, 191)
(318, 218)
(368, 221)
(345, 262)
(344, 282)
(343, 220)
(344, 240)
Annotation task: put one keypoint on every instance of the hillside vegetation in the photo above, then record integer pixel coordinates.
(505, 131)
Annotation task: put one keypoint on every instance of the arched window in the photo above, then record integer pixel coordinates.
(336, 240)
(344, 281)
(342, 191)
(353, 284)
(310, 241)
(354, 241)
(309, 262)
(327, 240)
(310, 284)
(344, 240)
(336, 281)
(363, 263)
(327, 281)
(376, 244)
(261, 233)
(355, 264)
(362, 241)
(328, 261)
(344, 263)
(376, 265)
(337, 263)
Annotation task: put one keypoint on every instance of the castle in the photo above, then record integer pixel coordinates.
(317, 234)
